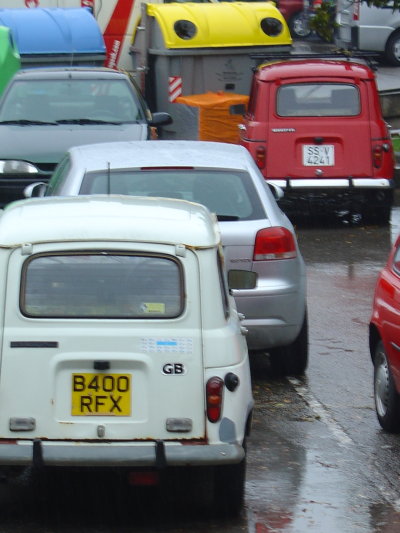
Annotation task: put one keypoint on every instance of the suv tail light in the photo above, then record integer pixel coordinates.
(260, 156)
(274, 243)
(214, 396)
(356, 10)
(377, 156)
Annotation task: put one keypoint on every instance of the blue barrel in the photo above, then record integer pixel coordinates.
(55, 36)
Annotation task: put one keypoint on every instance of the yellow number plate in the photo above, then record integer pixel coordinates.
(101, 394)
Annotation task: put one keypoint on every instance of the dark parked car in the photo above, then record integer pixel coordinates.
(45, 111)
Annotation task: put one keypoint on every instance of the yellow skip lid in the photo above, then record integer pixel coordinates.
(225, 24)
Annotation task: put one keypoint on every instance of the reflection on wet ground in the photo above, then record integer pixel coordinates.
(304, 478)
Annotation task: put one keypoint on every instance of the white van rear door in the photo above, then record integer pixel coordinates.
(104, 338)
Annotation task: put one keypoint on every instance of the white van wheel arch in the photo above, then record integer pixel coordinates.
(392, 49)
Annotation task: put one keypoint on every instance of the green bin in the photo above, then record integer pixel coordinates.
(10, 61)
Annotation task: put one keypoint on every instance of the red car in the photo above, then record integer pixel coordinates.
(315, 128)
(384, 342)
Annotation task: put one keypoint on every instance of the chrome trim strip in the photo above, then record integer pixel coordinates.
(334, 183)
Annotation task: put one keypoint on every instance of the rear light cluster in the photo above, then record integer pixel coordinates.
(378, 153)
(274, 243)
(377, 156)
(214, 398)
(356, 11)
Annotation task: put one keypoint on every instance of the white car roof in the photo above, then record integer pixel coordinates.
(104, 218)
(131, 154)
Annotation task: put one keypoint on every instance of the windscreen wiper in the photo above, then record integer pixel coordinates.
(25, 122)
(83, 121)
(227, 218)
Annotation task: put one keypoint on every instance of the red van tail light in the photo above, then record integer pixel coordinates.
(274, 243)
(377, 156)
(260, 156)
(214, 396)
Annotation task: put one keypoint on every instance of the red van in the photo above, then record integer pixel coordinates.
(315, 128)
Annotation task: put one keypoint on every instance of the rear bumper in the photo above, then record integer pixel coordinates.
(357, 198)
(152, 454)
(334, 183)
(273, 320)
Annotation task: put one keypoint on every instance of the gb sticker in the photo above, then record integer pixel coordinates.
(174, 369)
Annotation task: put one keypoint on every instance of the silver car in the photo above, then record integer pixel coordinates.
(256, 234)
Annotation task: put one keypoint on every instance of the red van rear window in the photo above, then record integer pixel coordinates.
(318, 100)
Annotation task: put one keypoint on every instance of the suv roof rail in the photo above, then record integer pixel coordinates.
(370, 58)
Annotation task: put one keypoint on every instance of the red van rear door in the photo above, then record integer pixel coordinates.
(319, 129)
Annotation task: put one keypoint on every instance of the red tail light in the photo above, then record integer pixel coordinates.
(274, 243)
(356, 10)
(214, 396)
(144, 479)
(260, 157)
(377, 156)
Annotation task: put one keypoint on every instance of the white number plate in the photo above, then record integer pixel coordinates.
(318, 155)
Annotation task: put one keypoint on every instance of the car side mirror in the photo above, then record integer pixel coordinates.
(242, 279)
(237, 109)
(277, 191)
(160, 118)
(35, 190)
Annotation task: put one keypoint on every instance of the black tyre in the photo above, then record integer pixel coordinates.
(292, 360)
(229, 486)
(387, 400)
(299, 26)
(378, 210)
(392, 50)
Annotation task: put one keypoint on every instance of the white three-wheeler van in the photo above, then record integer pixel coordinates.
(120, 343)
(368, 28)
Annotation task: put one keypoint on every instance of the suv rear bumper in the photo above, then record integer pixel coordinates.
(152, 454)
(333, 183)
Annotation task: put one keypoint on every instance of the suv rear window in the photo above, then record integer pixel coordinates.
(101, 285)
(318, 100)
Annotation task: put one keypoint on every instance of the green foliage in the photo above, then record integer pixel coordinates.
(323, 22)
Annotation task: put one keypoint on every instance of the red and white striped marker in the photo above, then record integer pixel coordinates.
(174, 88)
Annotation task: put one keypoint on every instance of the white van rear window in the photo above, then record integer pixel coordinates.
(318, 100)
(102, 285)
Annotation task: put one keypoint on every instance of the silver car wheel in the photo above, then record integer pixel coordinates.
(381, 383)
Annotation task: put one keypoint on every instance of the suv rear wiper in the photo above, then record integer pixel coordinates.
(83, 121)
(25, 122)
(227, 218)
